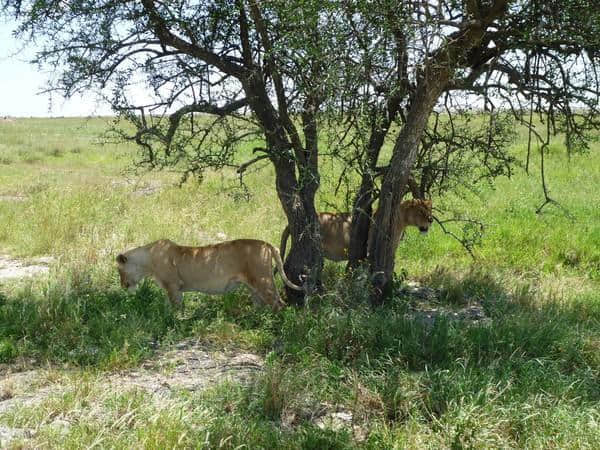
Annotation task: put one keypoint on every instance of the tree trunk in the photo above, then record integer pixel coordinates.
(384, 234)
(362, 208)
(361, 223)
(305, 255)
(304, 262)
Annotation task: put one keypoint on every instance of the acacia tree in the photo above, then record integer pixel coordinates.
(512, 59)
(383, 69)
(216, 74)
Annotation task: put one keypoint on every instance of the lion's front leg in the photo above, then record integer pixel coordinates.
(173, 292)
(176, 297)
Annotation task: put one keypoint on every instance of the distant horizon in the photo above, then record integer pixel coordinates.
(87, 116)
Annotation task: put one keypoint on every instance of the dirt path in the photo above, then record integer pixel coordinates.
(188, 365)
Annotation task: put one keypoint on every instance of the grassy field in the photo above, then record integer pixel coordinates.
(527, 375)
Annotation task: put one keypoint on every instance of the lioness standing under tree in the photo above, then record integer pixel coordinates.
(335, 227)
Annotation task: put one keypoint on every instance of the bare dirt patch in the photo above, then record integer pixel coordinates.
(8, 434)
(11, 268)
(17, 390)
(13, 198)
(189, 365)
(139, 187)
(426, 307)
(192, 366)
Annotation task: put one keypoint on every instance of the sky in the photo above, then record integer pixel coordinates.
(21, 83)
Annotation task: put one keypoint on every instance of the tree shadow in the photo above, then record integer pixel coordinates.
(84, 325)
(519, 344)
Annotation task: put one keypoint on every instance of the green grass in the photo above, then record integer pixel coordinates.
(526, 377)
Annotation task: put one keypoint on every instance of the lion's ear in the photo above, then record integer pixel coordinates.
(121, 259)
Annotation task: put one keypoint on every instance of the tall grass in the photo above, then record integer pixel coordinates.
(525, 377)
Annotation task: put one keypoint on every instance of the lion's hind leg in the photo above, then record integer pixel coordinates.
(264, 290)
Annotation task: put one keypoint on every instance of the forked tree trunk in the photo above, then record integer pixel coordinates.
(361, 223)
(362, 208)
(384, 233)
(436, 72)
(304, 262)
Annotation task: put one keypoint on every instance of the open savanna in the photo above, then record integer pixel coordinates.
(525, 375)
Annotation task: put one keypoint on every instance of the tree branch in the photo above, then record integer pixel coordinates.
(168, 38)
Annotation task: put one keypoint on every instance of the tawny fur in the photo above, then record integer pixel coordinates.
(213, 269)
(335, 227)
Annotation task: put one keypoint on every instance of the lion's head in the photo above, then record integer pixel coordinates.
(418, 213)
(129, 272)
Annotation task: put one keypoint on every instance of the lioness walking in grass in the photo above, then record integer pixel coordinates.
(213, 269)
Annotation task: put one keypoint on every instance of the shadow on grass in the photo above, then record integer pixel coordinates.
(87, 326)
(388, 367)
(527, 374)
(84, 326)
(528, 348)
(95, 327)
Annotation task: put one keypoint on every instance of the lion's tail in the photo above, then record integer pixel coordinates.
(284, 237)
(279, 263)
